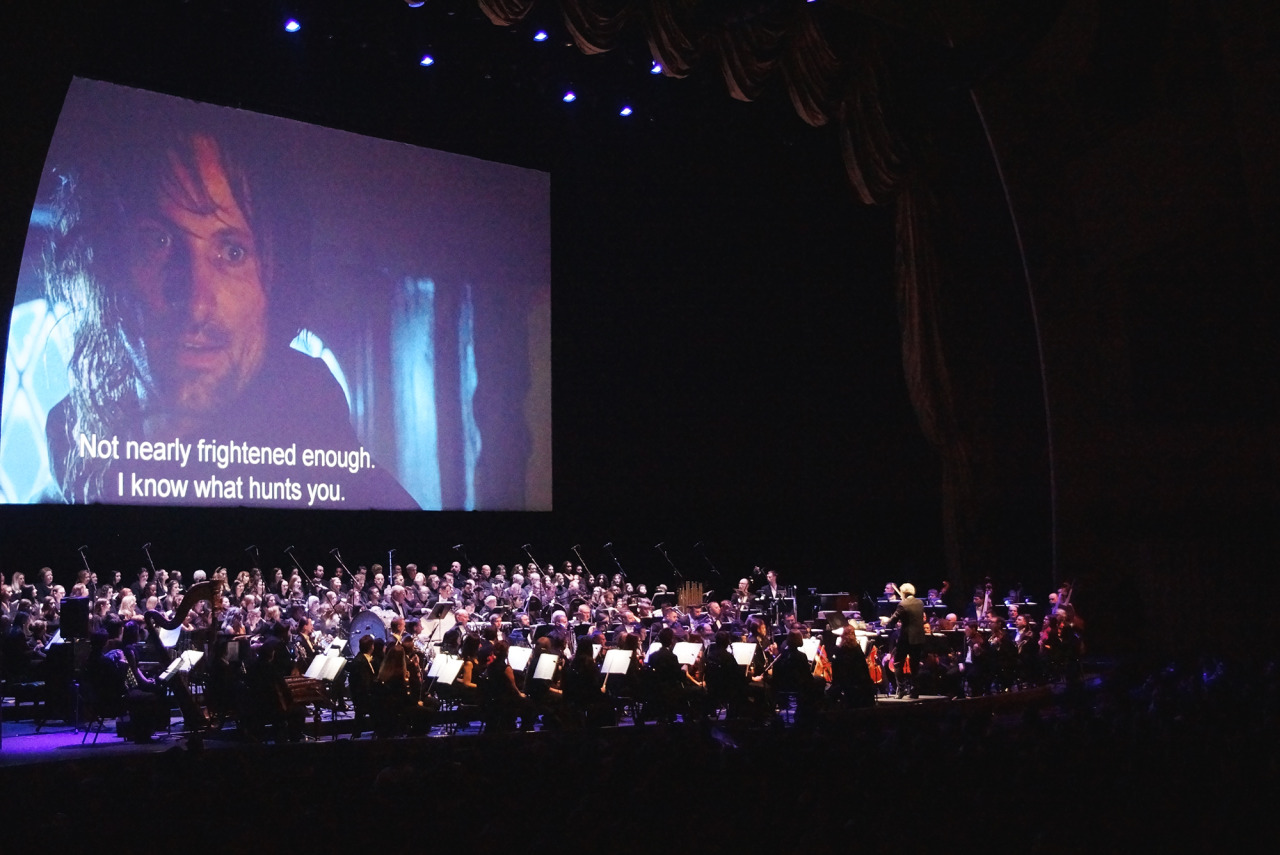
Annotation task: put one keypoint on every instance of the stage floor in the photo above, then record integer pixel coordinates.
(25, 743)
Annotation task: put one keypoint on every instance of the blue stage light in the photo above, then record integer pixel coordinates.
(292, 25)
(426, 60)
(540, 36)
(625, 111)
(655, 68)
(569, 97)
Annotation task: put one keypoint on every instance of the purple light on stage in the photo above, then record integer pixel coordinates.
(292, 25)
(625, 111)
(569, 97)
(540, 36)
(426, 60)
(655, 68)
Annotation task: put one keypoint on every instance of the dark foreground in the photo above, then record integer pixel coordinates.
(1184, 758)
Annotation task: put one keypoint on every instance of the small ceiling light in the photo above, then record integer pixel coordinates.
(540, 36)
(426, 60)
(625, 111)
(414, 4)
(292, 25)
(655, 68)
(569, 97)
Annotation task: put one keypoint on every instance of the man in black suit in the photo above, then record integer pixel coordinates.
(360, 680)
(769, 599)
(909, 616)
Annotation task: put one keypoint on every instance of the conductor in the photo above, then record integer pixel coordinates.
(909, 615)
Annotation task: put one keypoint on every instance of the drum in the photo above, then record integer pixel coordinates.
(366, 623)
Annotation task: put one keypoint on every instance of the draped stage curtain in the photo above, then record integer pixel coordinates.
(849, 84)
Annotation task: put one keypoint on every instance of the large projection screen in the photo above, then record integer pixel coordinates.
(217, 307)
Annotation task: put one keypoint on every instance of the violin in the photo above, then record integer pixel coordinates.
(873, 665)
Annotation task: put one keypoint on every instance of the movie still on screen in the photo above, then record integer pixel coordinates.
(218, 307)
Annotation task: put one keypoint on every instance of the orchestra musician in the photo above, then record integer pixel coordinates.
(584, 690)
(851, 683)
(742, 597)
(675, 689)
(571, 695)
(792, 673)
(503, 697)
(360, 680)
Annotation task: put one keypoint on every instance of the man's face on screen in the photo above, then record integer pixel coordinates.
(196, 269)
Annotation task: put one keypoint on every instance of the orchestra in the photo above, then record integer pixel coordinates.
(396, 651)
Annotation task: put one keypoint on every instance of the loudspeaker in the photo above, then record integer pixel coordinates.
(75, 617)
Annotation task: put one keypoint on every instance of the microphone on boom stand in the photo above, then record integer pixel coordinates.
(701, 547)
(674, 568)
(608, 547)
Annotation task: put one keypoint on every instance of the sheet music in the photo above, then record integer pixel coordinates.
(169, 637)
(183, 664)
(595, 650)
(316, 666)
(687, 651)
(616, 662)
(169, 671)
(653, 648)
(743, 652)
(546, 668)
(518, 657)
(449, 667)
(334, 663)
(864, 639)
(810, 647)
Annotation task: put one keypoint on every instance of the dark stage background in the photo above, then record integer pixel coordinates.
(726, 363)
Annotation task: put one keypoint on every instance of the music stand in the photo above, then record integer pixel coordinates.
(743, 652)
(183, 664)
(661, 601)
